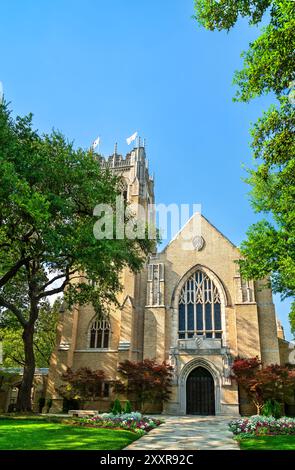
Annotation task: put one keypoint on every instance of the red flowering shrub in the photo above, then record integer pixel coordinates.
(262, 383)
(147, 380)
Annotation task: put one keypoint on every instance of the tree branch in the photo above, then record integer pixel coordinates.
(41, 352)
(12, 272)
(21, 363)
(13, 309)
(58, 289)
(56, 278)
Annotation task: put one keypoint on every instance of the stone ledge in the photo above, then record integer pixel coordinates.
(82, 413)
(95, 350)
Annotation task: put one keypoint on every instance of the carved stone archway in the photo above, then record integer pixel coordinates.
(185, 372)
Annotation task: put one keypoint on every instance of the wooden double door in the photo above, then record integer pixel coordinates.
(200, 394)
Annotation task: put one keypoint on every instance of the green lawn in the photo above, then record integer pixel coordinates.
(32, 434)
(268, 443)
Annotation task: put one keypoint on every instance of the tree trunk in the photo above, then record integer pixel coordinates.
(24, 402)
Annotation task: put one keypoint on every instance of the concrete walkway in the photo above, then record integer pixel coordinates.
(188, 433)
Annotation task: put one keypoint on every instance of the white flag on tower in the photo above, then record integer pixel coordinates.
(131, 138)
(96, 143)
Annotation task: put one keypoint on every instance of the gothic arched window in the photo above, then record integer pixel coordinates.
(123, 187)
(199, 310)
(99, 334)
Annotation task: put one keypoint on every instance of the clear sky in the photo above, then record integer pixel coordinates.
(111, 67)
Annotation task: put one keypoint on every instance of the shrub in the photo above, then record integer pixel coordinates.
(148, 381)
(82, 384)
(117, 408)
(48, 405)
(41, 404)
(272, 408)
(128, 407)
(273, 382)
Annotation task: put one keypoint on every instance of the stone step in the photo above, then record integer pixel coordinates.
(82, 413)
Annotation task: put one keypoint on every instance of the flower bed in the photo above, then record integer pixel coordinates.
(262, 425)
(129, 421)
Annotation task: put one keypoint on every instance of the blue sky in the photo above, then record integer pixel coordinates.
(108, 68)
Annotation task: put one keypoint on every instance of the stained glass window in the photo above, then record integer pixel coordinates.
(199, 308)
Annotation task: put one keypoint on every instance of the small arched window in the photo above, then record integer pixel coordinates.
(123, 187)
(199, 309)
(99, 334)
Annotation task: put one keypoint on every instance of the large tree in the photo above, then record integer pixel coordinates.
(269, 250)
(48, 193)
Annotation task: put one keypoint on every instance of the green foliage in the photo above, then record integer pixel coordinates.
(44, 340)
(223, 14)
(128, 407)
(272, 408)
(117, 408)
(292, 318)
(269, 250)
(269, 61)
(270, 247)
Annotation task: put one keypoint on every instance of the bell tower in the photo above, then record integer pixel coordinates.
(138, 190)
(139, 185)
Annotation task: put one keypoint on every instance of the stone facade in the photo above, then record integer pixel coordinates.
(236, 317)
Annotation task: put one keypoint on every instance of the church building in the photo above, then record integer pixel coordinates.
(189, 307)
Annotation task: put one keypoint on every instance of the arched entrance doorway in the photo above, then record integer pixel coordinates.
(200, 395)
